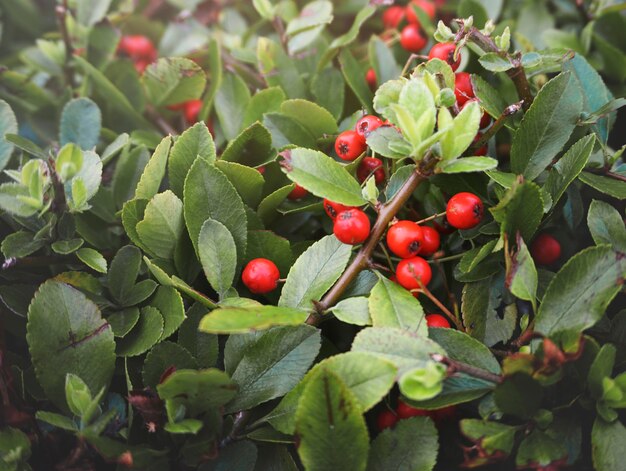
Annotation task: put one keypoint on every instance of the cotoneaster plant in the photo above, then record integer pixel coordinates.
(312, 235)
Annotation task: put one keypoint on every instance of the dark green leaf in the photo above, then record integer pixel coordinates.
(606, 225)
(390, 305)
(252, 147)
(154, 171)
(606, 185)
(231, 102)
(607, 445)
(162, 357)
(355, 78)
(218, 255)
(519, 210)
(144, 335)
(172, 80)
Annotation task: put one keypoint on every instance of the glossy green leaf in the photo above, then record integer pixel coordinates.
(606, 225)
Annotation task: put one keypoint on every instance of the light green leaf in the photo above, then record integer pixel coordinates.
(154, 171)
(247, 181)
(279, 69)
(93, 259)
(218, 255)
(233, 320)
(231, 102)
(390, 305)
(8, 125)
(607, 445)
(353, 311)
(606, 185)
(522, 275)
(461, 134)
(172, 80)
(606, 225)
(162, 225)
(495, 63)
(423, 383)
(469, 164)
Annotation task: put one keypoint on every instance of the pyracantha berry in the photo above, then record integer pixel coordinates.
(297, 193)
(260, 275)
(369, 166)
(437, 320)
(412, 39)
(545, 249)
(425, 5)
(352, 226)
(410, 270)
(191, 110)
(432, 240)
(393, 16)
(349, 145)
(333, 209)
(370, 78)
(137, 47)
(367, 124)
(405, 411)
(405, 239)
(445, 52)
(386, 419)
(464, 210)
(463, 89)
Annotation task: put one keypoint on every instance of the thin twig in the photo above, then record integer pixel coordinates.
(495, 127)
(440, 305)
(160, 122)
(430, 218)
(457, 366)
(606, 173)
(61, 13)
(241, 419)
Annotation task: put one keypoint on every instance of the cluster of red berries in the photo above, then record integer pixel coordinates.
(350, 225)
(139, 49)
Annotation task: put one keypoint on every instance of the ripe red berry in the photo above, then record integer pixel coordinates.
(352, 226)
(463, 89)
(370, 78)
(141, 65)
(370, 165)
(297, 193)
(406, 411)
(427, 6)
(464, 210)
(405, 239)
(445, 52)
(261, 169)
(545, 249)
(260, 275)
(437, 320)
(444, 414)
(410, 270)
(367, 124)
(483, 149)
(392, 16)
(137, 47)
(349, 145)
(386, 419)
(333, 209)
(411, 39)
(431, 242)
(191, 110)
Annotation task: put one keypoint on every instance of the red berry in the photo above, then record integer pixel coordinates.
(386, 419)
(370, 165)
(545, 249)
(483, 149)
(463, 88)
(427, 6)
(333, 209)
(392, 16)
(261, 169)
(260, 275)
(141, 65)
(406, 411)
(443, 227)
(405, 239)
(444, 414)
(370, 78)
(352, 226)
(137, 47)
(367, 124)
(431, 242)
(445, 52)
(464, 210)
(297, 193)
(410, 270)
(411, 39)
(349, 145)
(191, 110)
(437, 320)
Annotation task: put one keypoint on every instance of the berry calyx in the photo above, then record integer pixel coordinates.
(260, 275)
(411, 39)
(386, 419)
(367, 124)
(464, 210)
(352, 226)
(191, 110)
(349, 145)
(369, 166)
(410, 270)
(405, 239)
(432, 240)
(370, 78)
(445, 52)
(406, 411)
(333, 209)
(463, 89)
(425, 5)
(392, 17)
(297, 193)
(545, 249)
(437, 320)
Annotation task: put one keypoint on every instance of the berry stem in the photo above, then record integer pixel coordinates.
(430, 218)
(440, 305)
(362, 259)
(495, 127)
(447, 259)
(459, 367)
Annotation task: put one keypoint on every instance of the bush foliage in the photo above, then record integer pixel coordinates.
(139, 181)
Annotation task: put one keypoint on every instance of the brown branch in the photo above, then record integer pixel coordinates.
(240, 421)
(362, 260)
(496, 126)
(459, 367)
(61, 13)
(59, 204)
(606, 173)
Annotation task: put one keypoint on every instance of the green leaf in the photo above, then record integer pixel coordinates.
(218, 255)
(315, 271)
(490, 99)
(263, 101)
(66, 334)
(173, 80)
(8, 125)
(519, 395)
(193, 143)
(66, 247)
(390, 305)
(77, 394)
(519, 210)
(154, 171)
(606, 185)
(163, 356)
(93, 259)
(415, 112)
(123, 272)
(353, 311)
(21, 244)
(579, 294)
(469, 164)
(231, 102)
(268, 206)
(601, 368)
(541, 448)
(607, 445)
(203, 346)
(322, 176)
(123, 321)
(80, 123)
(144, 335)
(546, 126)
(170, 304)
(424, 382)
(90, 12)
(411, 445)
(329, 89)
(287, 132)
(492, 436)
(232, 320)
(565, 171)
(606, 225)
(273, 364)
(385, 140)
(522, 274)
(266, 244)
(355, 77)
(495, 63)
(349, 36)
(383, 60)
(209, 194)
(461, 133)
(328, 422)
(57, 420)
(247, 181)
(252, 147)
(315, 119)
(191, 426)
(278, 69)
(162, 225)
